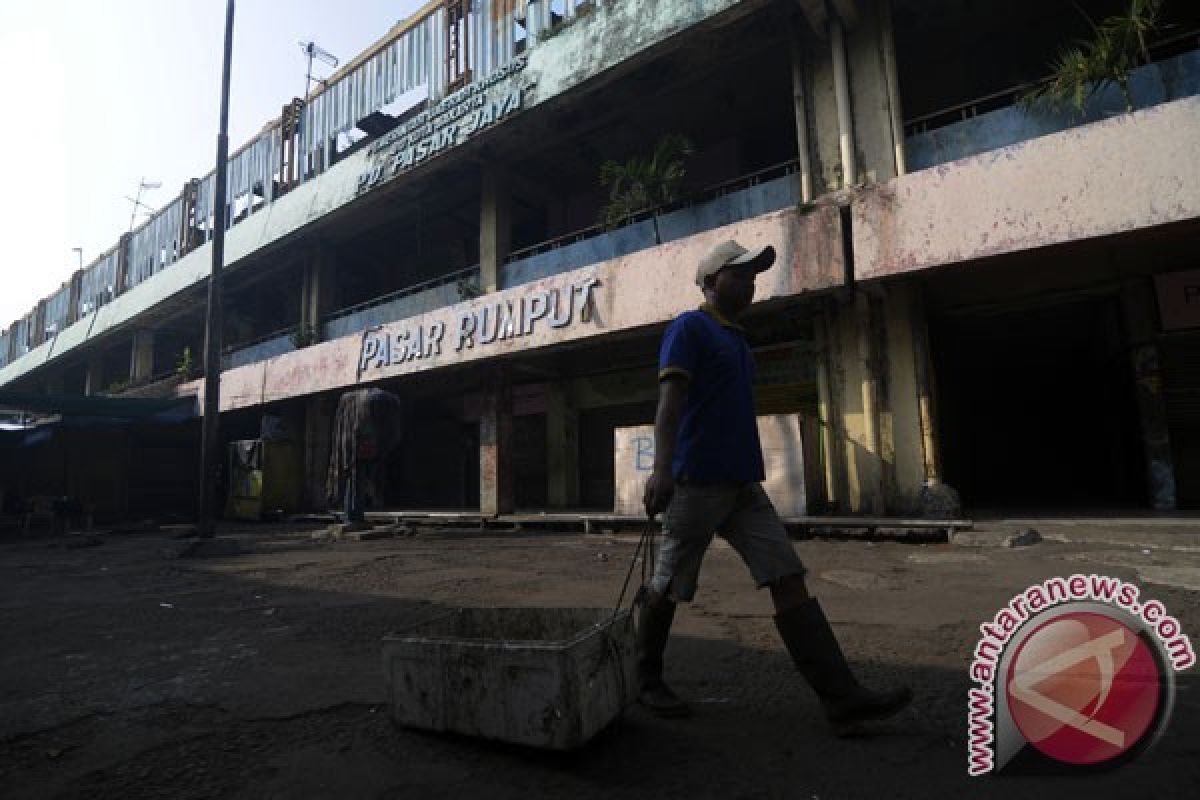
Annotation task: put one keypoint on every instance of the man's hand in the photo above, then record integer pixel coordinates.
(672, 396)
(659, 489)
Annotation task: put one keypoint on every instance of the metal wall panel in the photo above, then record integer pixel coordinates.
(58, 311)
(155, 245)
(405, 64)
(98, 283)
(21, 329)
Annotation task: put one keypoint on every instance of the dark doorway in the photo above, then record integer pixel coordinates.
(597, 478)
(1037, 408)
(1181, 391)
(436, 465)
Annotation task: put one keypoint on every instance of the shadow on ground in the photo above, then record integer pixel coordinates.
(128, 673)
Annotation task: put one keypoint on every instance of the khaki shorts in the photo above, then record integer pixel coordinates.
(743, 515)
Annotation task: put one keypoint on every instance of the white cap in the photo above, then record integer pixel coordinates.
(728, 254)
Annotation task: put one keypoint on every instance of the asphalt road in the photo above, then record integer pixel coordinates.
(127, 672)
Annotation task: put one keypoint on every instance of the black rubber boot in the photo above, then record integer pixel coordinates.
(653, 628)
(819, 658)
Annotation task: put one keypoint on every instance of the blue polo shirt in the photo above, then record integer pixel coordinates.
(718, 435)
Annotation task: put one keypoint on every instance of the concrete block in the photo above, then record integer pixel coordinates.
(783, 456)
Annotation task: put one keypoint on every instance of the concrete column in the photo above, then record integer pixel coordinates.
(93, 380)
(800, 111)
(318, 440)
(1138, 310)
(318, 289)
(495, 227)
(845, 115)
(820, 97)
(141, 357)
(906, 440)
(854, 407)
(496, 486)
(923, 372)
(855, 122)
(562, 448)
(871, 463)
(892, 77)
(829, 392)
(877, 127)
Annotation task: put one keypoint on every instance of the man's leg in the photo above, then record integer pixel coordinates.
(655, 614)
(354, 495)
(757, 533)
(687, 531)
(818, 657)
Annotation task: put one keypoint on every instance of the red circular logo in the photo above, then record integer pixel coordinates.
(1083, 688)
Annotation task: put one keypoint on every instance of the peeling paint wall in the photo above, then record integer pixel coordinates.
(645, 288)
(1133, 171)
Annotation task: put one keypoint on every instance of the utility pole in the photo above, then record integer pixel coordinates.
(210, 436)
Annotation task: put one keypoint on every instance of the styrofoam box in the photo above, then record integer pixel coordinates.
(543, 677)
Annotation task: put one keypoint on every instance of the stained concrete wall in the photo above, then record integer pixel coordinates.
(1133, 171)
(638, 290)
(783, 457)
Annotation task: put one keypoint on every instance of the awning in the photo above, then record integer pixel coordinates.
(161, 409)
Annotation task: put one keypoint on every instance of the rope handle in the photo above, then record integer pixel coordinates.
(645, 547)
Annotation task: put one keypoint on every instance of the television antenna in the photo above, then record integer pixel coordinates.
(143, 185)
(313, 50)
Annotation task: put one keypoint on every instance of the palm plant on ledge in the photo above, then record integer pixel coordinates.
(644, 183)
(1117, 47)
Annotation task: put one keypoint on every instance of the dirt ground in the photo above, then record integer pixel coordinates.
(128, 672)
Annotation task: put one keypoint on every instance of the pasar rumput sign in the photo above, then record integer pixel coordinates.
(451, 122)
(481, 326)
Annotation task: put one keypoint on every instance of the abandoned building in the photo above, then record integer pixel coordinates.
(973, 288)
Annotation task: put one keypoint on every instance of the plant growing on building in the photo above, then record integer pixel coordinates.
(468, 288)
(185, 367)
(1108, 58)
(645, 182)
(303, 336)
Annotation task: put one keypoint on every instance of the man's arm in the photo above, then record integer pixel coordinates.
(672, 396)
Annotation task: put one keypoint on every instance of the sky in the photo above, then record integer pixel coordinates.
(103, 94)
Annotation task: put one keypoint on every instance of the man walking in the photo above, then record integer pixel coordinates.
(707, 477)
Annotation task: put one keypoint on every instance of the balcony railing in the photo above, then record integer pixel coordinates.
(998, 119)
(410, 301)
(761, 192)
